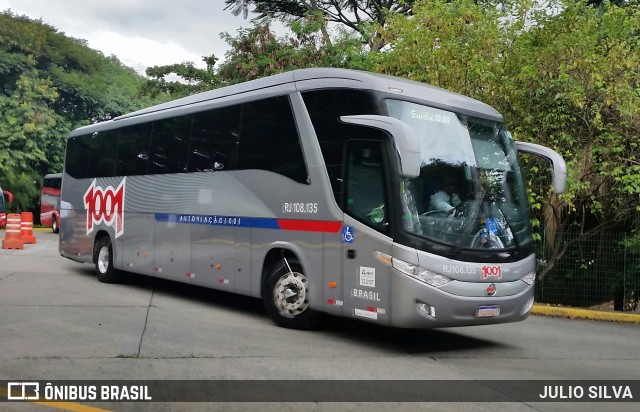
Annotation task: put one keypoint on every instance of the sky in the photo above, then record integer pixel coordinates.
(141, 33)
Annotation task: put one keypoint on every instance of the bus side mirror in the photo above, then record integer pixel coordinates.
(405, 139)
(9, 196)
(558, 163)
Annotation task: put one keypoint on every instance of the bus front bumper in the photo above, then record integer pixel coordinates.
(418, 305)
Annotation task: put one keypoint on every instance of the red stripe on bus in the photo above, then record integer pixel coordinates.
(51, 191)
(310, 225)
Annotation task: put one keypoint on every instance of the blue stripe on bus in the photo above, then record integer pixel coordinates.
(252, 222)
(217, 220)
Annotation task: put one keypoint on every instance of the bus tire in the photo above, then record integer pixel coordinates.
(54, 224)
(103, 258)
(286, 296)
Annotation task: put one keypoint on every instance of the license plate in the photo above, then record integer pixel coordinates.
(487, 311)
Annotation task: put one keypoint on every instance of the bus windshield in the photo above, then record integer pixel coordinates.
(470, 192)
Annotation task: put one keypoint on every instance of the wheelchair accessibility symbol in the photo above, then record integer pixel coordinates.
(347, 234)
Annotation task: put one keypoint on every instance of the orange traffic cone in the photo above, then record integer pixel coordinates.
(26, 228)
(12, 236)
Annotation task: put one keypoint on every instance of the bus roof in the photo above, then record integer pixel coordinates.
(310, 79)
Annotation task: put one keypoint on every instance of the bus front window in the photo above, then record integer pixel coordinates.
(470, 192)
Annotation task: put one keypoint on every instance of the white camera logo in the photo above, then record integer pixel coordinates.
(23, 391)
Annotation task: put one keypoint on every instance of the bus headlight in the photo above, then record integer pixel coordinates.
(416, 272)
(426, 276)
(529, 278)
(404, 267)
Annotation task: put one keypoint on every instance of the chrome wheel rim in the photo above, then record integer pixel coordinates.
(290, 294)
(103, 259)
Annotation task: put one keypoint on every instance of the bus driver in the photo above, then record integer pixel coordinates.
(446, 199)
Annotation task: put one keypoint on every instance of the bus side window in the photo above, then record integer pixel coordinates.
(269, 139)
(365, 194)
(169, 145)
(133, 150)
(77, 157)
(214, 140)
(102, 159)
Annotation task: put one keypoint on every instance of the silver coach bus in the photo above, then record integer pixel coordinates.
(318, 190)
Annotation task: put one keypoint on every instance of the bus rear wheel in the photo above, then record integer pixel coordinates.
(54, 225)
(286, 296)
(103, 258)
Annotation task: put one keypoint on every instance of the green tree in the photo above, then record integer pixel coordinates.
(457, 45)
(189, 79)
(361, 16)
(90, 86)
(24, 187)
(573, 82)
(257, 52)
(31, 137)
(50, 84)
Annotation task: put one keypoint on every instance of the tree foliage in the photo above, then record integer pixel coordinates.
(50, 84)
(579, 73)
(30, 138)
(258, 52)
(573, 84)
(24, 188)
(361, 16)
(187, 79)
(454, 45)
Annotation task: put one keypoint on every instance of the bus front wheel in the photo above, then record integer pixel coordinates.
(286, 296)
(54, 224)
(103, 258)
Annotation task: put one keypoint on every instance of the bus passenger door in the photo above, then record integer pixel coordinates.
(365, 233)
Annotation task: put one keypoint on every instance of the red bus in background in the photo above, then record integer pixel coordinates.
(3, 205)
(50, 201)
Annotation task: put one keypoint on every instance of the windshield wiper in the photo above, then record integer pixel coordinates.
(508, 222)
(470, 221)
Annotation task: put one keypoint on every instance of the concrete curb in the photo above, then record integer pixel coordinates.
(573, 313)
